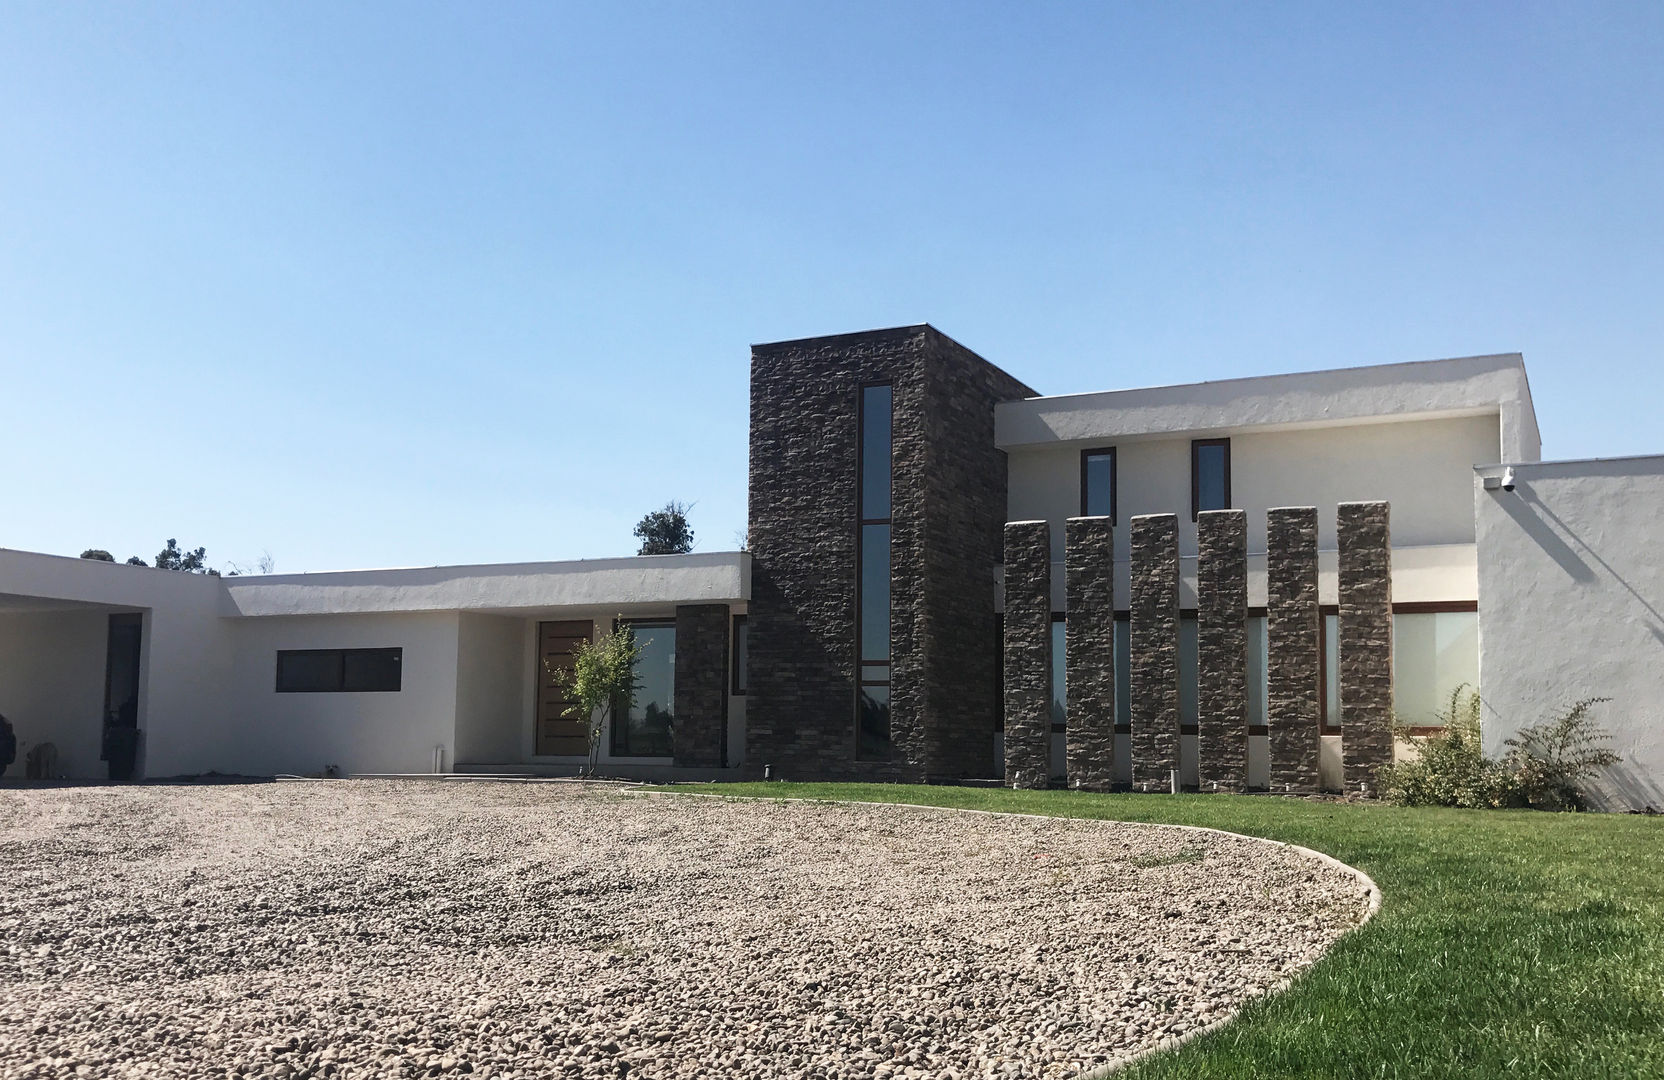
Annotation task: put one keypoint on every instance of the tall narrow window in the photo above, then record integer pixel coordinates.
(1210, 475)
(1097, 483)
(644, 729)
(872, 707)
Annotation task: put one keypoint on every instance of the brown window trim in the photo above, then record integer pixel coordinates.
(1114, 480)
(1195, 489)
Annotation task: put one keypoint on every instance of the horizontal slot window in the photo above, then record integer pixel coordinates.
(338, 671)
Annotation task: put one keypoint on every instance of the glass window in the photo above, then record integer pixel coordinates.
(875, 453)
(1123, 674)
(742, 649)
(1331, 672)
(644, 730)
(875, 592)
(1097, 483)
(334, 671)
(1433, 653)
(1190, 705)
(1060, 680)
(873, 729)
(1210, 475)
(1258, 681)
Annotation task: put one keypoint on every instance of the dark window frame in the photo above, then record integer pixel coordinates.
(620, 717)
(340, 684)
(737, 679)
(1114, 480)
(861, 523)
(1195, 487)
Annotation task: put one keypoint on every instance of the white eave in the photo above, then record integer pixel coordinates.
(1466, 386)
(621, 584)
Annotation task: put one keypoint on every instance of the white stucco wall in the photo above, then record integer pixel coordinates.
(492, 704)
(1571, 606)
(52, 685)
(186, 650)
(1424, 468)
(357, 732)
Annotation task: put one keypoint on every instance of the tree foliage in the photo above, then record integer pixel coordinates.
(189, 562)
(602, 683)
(666, 531)
(98, 555)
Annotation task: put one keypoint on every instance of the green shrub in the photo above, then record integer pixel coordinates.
(1451, 768)
(1546, 767)
(1552, 761)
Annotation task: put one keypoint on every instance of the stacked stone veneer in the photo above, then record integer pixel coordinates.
(1222, 650)
(1089, 650)
(1028, 654)
(947, 510)
(701, 695)
(1364, 536)
(1293, 641)
(1155, 651)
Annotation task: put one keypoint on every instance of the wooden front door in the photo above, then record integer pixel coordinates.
(558, 733)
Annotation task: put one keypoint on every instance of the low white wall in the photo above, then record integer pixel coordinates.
(357, 732)
(1571, 606)
(492, 704)
(52, 686)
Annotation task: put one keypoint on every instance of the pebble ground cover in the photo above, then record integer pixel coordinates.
(370, 928)
(1514, 945)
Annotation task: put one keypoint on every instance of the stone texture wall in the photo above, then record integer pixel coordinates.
(1155, 651)
(1293, 640)
(1364, 535)
(701, 695)
(1222, 649)
(1089, 651)
(948, 505)
(1028, 654)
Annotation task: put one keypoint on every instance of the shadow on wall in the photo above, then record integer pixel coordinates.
(1546, 527)
(1622, 786)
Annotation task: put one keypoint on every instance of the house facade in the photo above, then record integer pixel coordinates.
(866, 634)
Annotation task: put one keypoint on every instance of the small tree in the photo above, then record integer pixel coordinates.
(666, 531)
(98, 555)
(602, 683)
(190, 562)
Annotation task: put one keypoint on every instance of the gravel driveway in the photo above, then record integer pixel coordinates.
(365, 928)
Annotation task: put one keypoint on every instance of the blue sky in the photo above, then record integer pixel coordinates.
(367, 285)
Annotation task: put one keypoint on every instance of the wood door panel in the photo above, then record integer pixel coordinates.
(558, 733)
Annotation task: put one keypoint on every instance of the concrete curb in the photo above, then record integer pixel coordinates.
(1371, 889)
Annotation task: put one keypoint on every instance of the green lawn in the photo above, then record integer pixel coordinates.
(1510, 944)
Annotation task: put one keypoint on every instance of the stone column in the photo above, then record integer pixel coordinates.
(700, 700)
(1222, 649)
(1028, 654)
(1155, 651)
(1089, 651)
(1293, 638)
(1364, 532)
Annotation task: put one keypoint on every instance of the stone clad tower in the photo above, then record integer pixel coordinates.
(877, 500)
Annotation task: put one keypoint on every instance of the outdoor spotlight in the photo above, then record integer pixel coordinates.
(1508, 478)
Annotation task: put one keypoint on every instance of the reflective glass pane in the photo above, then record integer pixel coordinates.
(1432, 654)
(1190, 706)
(371, 670)
(1123, 672)
(875, 452)
(309, 671)
(873, 725)
(875, 673)
(1060, 681)
(1210, 477)
(875, 592)
(742, 650)
(1258, 673)
(646, 731)
(1331, 669)
(1100, 476)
